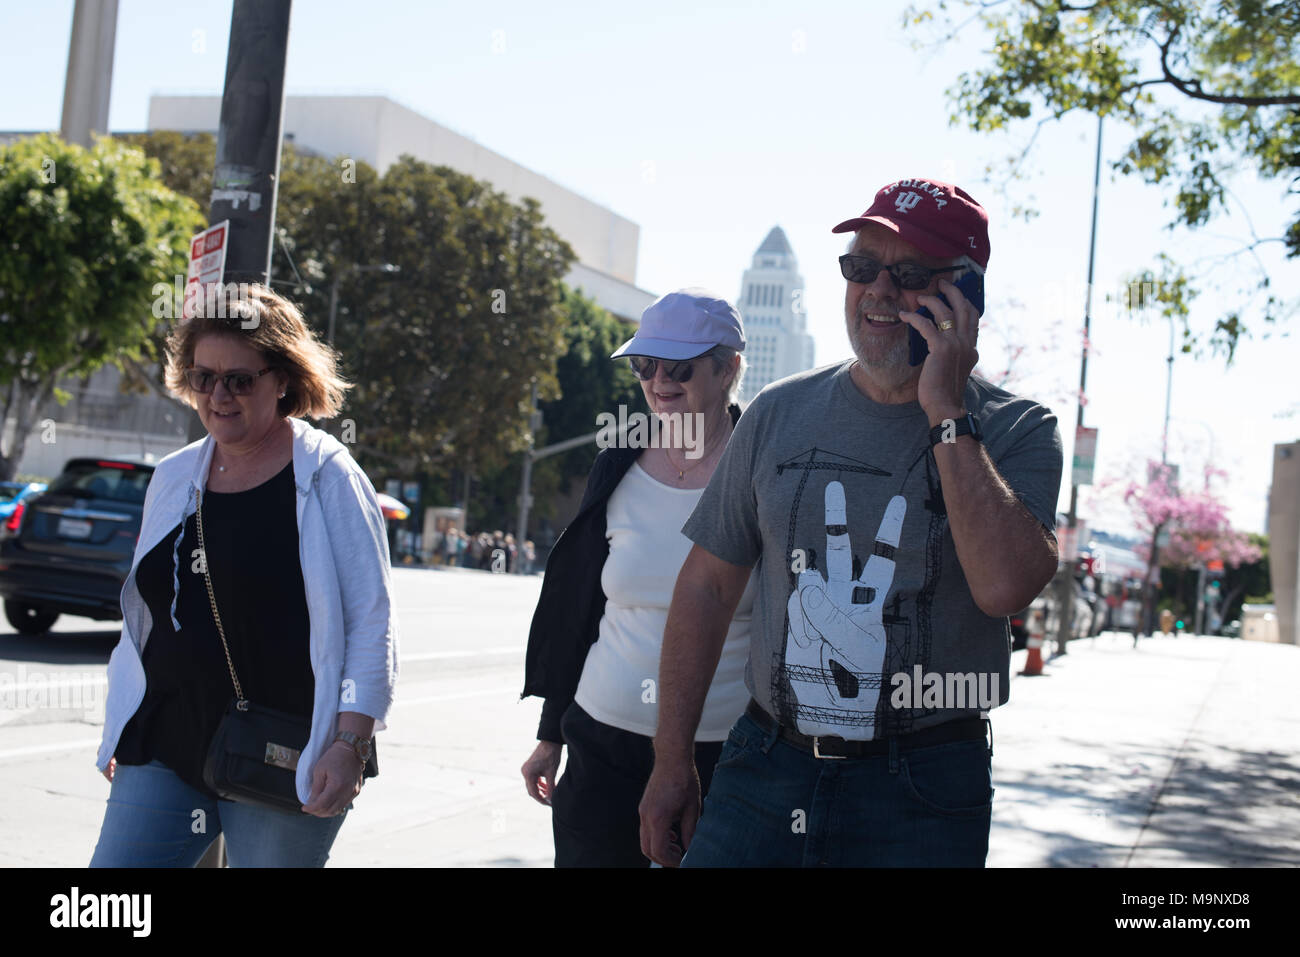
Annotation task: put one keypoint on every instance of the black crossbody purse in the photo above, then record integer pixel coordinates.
(253, 757)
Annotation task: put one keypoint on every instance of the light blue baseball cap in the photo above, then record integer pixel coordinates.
(685, 324)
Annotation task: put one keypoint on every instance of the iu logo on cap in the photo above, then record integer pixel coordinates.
(906, 201)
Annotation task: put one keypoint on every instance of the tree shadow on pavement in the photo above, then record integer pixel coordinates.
(1221, 806)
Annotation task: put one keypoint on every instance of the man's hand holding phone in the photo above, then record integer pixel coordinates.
(941, 389)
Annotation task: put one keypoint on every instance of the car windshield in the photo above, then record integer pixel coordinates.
(93, 480)
(11, 490)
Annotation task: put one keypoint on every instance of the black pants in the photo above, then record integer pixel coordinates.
(594, 807)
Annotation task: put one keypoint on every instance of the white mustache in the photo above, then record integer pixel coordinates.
(878, 310)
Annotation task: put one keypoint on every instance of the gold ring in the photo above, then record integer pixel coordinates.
(946, 325)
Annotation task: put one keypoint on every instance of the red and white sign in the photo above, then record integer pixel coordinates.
(207, 262)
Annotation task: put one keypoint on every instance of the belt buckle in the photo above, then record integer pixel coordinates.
(817, 751)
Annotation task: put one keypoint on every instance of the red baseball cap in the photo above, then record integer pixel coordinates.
(937, 218)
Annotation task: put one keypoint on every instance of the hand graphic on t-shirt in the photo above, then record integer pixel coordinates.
(836, 641)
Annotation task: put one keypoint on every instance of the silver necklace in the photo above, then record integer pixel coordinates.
(681, 472)
(222, 468)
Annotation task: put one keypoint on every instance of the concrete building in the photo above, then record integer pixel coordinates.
(776, 322)
(377, 131)
(1284, 539)
(100, 419)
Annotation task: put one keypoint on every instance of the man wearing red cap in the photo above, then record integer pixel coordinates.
(898, 509)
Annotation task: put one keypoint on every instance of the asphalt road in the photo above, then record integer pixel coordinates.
(449, 790)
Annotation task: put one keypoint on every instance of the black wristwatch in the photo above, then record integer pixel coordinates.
(967, 425)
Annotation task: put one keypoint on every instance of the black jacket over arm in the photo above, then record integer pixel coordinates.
(566, 622)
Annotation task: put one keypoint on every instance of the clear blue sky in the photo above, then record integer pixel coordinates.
(707, 126)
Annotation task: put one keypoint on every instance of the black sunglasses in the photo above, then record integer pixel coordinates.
(644, 368)
(864, 269)
(237, 383)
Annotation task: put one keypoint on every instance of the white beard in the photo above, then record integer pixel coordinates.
(884, 362)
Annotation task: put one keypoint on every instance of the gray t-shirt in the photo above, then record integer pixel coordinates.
(864, 626)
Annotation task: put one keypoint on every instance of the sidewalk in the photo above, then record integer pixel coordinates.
(1182, 753)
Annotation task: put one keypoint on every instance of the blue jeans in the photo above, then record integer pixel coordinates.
(774, 805)
(154, 819)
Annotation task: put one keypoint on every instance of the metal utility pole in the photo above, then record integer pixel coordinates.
(1147, 624)
(247, 174)
(534, 455)
(1065, 582)
(525, 485)
(1200, 601)
(1169, 394)
(90, 71)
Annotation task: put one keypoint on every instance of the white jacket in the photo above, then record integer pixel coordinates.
(343, 550)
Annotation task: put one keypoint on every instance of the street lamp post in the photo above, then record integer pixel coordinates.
(334, 289)
(1065, 579)
(1201, 569)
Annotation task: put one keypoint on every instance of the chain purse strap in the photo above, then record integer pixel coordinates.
(240, 701)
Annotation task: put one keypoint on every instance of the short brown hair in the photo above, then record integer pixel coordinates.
(277, 330)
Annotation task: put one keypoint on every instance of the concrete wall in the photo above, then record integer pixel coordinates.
(622, 299)
(377, 130)
(46, 459)
(99, 418)
(1259, 623)
(1284, 539)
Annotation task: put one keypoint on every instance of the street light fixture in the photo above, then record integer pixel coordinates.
(338, 278)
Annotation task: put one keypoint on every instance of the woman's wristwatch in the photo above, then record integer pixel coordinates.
(362, 746)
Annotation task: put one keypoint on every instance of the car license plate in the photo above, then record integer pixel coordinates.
(74, 528)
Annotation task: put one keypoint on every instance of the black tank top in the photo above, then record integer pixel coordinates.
(252, 544)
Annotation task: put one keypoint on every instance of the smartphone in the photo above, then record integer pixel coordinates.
(972, 287)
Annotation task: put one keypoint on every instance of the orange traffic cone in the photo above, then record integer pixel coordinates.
(1034, 662)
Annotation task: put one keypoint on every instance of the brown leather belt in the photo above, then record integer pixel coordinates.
(821, 746)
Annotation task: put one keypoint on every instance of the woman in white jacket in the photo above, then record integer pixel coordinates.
(297, 559)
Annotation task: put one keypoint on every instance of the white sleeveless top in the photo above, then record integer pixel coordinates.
(620, 680)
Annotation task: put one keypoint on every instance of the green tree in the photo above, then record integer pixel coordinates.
(444, 353)
(1207, 89)
(1252, 578)
(590, 383)
(87, 235)
(185, 160)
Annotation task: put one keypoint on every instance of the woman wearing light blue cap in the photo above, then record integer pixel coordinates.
(593, 650)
